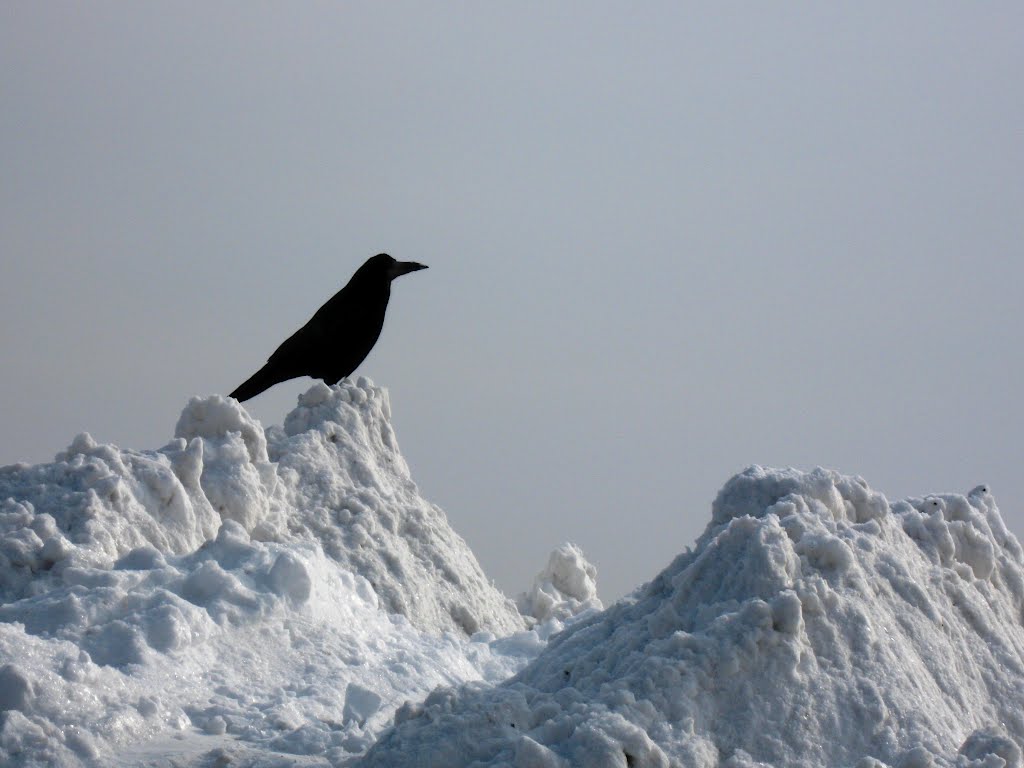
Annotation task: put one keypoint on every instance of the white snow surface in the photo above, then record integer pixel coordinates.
(565, 588)
(286, 597)
(813, 624)
(238, 593)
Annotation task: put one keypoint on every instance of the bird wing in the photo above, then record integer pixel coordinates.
(297, 354)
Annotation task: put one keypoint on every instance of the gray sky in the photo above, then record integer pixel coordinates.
(666, 241)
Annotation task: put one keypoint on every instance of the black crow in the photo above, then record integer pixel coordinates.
(341, 333)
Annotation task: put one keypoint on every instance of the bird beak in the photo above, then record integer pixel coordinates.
(405, 267)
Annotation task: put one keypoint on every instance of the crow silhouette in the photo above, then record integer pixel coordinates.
(341, 333)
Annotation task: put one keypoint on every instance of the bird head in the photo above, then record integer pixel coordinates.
(389, 268)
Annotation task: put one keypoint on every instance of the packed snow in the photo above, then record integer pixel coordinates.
(286, 596)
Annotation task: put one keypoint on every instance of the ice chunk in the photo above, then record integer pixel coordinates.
(360, 703)
(16, 691)
(289, 577)
(983, 743)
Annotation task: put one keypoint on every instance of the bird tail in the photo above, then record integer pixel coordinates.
(264, 378)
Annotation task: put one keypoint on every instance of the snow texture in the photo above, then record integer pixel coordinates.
(565, 588)
(286, 590)
(813, 624)
(285, 597)
(332, 477)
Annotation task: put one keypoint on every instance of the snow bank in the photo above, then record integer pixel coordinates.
(285, 590)
(813, 624)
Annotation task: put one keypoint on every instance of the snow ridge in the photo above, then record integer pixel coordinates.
(813, 624)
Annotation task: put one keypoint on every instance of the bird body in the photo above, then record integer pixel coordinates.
(341, 333)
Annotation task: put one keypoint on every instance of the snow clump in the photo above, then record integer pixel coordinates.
(565, 588)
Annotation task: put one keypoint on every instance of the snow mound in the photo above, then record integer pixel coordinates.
(333, 475)
(813, 624)
(565, 588)
(285, 590)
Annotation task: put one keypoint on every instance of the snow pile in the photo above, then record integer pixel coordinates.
(813, 624)
(277, 592)
(333, 476)
(565, 588)
(282, 597)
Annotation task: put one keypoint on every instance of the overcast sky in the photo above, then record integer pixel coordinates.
(666, 241)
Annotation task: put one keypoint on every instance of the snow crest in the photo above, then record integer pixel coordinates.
(367, 514)
(565, 588)
(813, 624)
